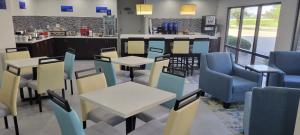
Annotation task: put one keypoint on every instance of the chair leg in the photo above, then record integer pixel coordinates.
(39, 99)
(63, 93)
(16, 125)
(22, 94)
(226, 105)
(66, 85)
(71, 83)
(202, 93)
(30, 95)
(5, 122)
(84, 124)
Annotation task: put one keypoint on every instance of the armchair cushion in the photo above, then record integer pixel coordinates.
(241, 85)
(286, 61)
(292, 81)
(220, 62)
(251, 76)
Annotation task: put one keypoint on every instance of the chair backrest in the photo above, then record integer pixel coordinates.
(104, 64)
(113, 54)
(297, 126)
(153, 53)
(50, 74)
(157, 43)
(220, 62)
(181, 117)
(286, 61)
(87, 82)
(201, 46)
(69, 62)
(176, 77)
(273, 107)
(67, 118)
(160, 62)
(16, 54)
(136, 46)
(10, 88)
(181, 46)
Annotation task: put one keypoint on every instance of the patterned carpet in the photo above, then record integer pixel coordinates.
(232, 118)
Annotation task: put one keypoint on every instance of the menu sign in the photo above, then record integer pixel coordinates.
(2, 4)
(101, 9)
(66, 8)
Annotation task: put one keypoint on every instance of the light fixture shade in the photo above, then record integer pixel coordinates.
(188, 9)
(144, 9)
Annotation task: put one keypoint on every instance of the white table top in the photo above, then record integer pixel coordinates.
(128, 99)
(262, 68)
(132, 61)
(22, 63)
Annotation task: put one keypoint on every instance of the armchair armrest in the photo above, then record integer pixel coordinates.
(276, 79)
(218, 84)
(252, 76)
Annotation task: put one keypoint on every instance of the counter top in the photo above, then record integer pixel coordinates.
(167, 36)
(43, 39)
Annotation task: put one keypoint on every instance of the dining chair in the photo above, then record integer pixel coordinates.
(68, 67)
(113, 54)
(26, 73)
(171, 80)
(180, 120)
(103, 64)
(152, 78)
(88, 82)
(69, 121)
(136, 46)
(153, 53)
(50, 75)
(8, 95)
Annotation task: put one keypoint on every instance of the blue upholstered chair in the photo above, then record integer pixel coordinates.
(69, 121)
(271, 111)
(220, 77)
(153, 53)
(104, 65)
(171, 80)
(289, 75)
(68, 67)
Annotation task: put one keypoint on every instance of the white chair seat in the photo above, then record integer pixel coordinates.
(100, 114)
(157, 113)
(3, 110)
(27, 76)
(102, 128)
(23, 83)
(151, 128)
(32, 84)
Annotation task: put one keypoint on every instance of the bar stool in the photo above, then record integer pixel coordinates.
(180, 52)
(136, 46)
(200, 46)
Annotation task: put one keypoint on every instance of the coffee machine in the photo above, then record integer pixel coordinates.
(209, 24)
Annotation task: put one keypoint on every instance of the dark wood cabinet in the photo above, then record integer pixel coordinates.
(85, 48)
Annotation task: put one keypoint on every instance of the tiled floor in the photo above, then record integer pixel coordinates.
(32, 122)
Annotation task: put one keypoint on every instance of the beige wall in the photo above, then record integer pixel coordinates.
(286, 24)
(7, 38)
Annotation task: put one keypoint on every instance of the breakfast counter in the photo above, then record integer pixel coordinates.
(85, 47)
(167, 36)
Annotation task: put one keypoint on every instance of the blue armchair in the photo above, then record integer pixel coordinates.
(223, 79)
(287, 64)
(271, 111)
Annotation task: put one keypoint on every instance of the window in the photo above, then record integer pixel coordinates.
(251, 32)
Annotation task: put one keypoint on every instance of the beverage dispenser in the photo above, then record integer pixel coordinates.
(209, 25)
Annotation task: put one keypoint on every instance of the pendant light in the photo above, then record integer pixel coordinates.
(188, 9)
(144, 9)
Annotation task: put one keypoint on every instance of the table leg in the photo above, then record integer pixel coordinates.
(267, 81)
(34, 73)
(130, 124)
(131, 73)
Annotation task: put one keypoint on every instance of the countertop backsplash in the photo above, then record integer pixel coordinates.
(69, 23)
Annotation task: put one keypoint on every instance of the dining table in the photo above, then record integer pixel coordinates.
(127, 100)
(132, 62)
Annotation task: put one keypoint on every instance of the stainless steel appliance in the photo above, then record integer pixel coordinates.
(209, 24)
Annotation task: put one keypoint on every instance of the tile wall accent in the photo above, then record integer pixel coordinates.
(192, 24)
(69, 23)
